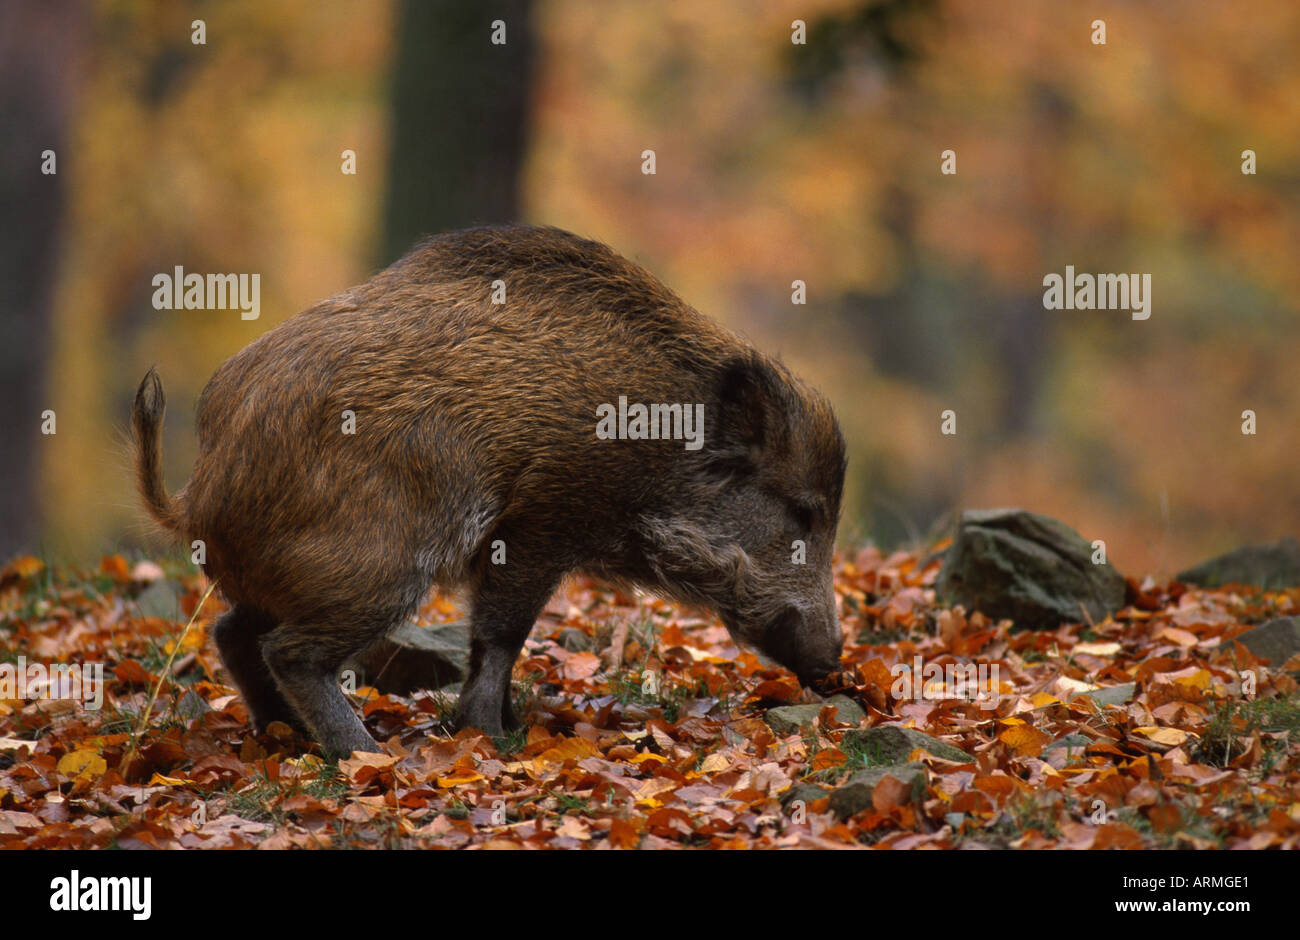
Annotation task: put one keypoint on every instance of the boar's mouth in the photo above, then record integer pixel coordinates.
(781, 641)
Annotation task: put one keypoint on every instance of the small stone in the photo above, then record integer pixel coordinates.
(1269, 566)
(788, 719)
(1114, 695)
(1028, 568)
(854, 796)
(412, 657)
(846, 710)
(1277, 641)
(893, 745)
(802, 791)
(162, 598)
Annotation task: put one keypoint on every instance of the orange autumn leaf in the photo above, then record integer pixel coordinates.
(115, 567)
(567, 749)
(828, 758)
(581, 666)
(1025, 740)
(623, 834)
(20, 569)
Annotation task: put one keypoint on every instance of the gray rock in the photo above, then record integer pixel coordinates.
(787, 719)
(162, 599)
(1277, 641)
(412, 657)
(846, 710)
(1031, 569)
(802, 791)
(893, 745)
(1267, 566)
(855, 795)
(1114, 695)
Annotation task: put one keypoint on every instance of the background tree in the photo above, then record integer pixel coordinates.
(41, 47)
(460, 117)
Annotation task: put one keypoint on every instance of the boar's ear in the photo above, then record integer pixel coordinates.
(750, 414)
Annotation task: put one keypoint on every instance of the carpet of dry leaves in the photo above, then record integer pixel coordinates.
(614, 757)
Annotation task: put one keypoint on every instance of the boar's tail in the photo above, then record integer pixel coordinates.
(146, 423)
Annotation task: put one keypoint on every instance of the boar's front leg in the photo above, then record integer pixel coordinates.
(305, 660)
(238, 635)
(506, 605)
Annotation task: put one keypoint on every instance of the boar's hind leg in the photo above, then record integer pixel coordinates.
(238, 635)
(506, 606)
(305, 660)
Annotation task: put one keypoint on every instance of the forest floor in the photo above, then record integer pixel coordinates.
(646, 726)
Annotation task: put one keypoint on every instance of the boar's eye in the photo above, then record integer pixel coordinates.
(803, 513)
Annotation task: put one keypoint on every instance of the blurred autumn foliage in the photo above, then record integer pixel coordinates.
(775, 162)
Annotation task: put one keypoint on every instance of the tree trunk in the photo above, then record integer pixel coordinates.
(460, 110)
(41, 47)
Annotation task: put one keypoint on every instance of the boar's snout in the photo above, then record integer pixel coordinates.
(806, 641)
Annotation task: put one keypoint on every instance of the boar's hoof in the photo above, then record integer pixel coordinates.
(343, 747)
(509, 720)
(487, 717)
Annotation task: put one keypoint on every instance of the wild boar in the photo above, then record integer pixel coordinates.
(478, 415)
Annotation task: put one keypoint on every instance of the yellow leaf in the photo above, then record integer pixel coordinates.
(308, 762)
(643, 757)
(158, 779)
(84, 763)
(1200, 679)
(1044, 698)
(700, 656)
(193, 641)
